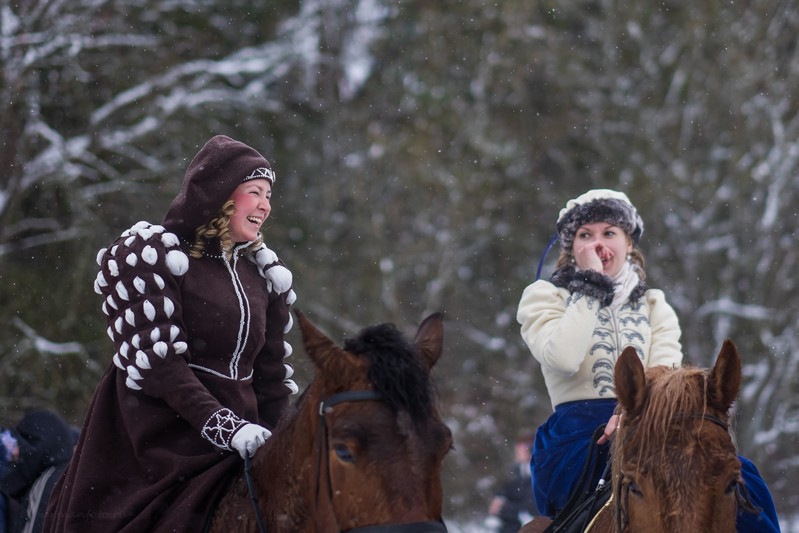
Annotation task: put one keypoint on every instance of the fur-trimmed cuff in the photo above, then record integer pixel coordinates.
(220, 428)
(594, 285)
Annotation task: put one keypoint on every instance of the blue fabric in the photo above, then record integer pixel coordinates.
(561, 446)
(560, 450)
(766, 521)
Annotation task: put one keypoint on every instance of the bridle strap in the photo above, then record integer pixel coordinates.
(326, 406)
(322, 460)
(347, 396)
(413, 527)
(710, 418)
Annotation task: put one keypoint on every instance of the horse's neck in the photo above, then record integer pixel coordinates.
(292, 448)
(290, 461)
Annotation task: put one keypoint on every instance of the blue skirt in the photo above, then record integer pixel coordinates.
(560, 450)
(559, 456)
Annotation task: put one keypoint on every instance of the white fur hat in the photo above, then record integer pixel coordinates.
(598, 205)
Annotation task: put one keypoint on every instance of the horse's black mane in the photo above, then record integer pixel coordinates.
(394, 370)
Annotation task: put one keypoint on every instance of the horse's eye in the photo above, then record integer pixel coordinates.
(344, 453)
(733, 486)
(635, 489)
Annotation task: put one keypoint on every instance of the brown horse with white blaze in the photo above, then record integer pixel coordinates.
(362, 447)
(674, 463)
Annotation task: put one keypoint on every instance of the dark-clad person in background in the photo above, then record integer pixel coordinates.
(512, 505)
(44, 443)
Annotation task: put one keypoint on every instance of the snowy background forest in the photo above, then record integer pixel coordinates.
(423, 150)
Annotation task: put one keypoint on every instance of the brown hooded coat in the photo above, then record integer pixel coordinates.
(199, 353)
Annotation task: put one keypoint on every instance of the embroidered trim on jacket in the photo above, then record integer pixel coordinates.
(592, 284)
(220, 428)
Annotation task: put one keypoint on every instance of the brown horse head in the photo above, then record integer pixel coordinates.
(675, 467)
(374, 458)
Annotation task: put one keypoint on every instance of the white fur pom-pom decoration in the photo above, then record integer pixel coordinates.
(142, 361)
(149, 310)
(291, 385)
(121, 291)
(139, 284)
(145, 233)
(265, 256)
(170, 240)
(149, 254)
(169, 307)
(177, 262)
(134, 373)
(113, 269)
(280, 277)
(131, 383)
(130, 318)
(161, 349)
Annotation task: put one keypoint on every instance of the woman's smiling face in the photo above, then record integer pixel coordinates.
(252, 199)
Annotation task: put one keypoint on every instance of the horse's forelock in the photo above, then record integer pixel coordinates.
(661, 443)
(394, 369)
(672, 394)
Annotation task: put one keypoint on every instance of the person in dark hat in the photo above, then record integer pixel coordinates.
(197, 309)
(43, 444)
(9, 452)
(577, 323)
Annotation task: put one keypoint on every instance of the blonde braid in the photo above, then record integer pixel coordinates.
(217, 228)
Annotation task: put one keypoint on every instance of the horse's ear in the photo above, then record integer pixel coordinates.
(323, 352)
(724, 380)
(429, 340)
(630, 381)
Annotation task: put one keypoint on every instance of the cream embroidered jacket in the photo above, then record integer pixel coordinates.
(577, 338)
